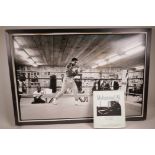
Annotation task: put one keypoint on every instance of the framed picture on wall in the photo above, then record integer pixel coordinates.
(80, 61)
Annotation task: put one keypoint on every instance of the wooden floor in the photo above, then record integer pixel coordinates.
(66, 108)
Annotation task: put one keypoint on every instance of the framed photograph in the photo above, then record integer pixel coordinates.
(109, 109)
(54, 72)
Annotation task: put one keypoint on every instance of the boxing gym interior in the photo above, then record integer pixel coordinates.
(107, 62)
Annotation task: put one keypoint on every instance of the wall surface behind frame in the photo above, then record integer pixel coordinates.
(6, 106)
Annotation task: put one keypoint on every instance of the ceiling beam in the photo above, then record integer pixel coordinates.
(77, 40)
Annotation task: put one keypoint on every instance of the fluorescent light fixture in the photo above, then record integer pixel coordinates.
(35, 65)
(16, 45)
(135, 50)
(39, 63)
(22, 54)
(133, 45)
(36, 59)
(102, 63)
(110, 59)
(30, 61)
(106, 58)
(113, 59)
(99, 61)
(116, 57)
(95, 66)
(139, 67)
(111, 56)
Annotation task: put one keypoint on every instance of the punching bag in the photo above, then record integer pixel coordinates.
(53, 83)
(79, 85)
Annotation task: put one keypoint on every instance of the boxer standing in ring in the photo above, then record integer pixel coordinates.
(72, 70)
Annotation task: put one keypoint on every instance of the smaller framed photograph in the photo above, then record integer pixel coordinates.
(109, 109)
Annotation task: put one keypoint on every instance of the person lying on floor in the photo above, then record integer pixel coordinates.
(37, 95)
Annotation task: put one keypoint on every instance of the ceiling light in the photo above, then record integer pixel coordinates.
(101, 60)
(95, 66)
(30, 61)
(22, 54)
(16, 45)
(36, 59)
(39, 63)
(114, 59)
(111, 56)
(35, 65)
(110, 59)
(102, 63)
(135, 50)
(139, 67)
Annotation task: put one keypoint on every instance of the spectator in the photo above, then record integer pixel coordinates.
(37, 96)
(95, 87)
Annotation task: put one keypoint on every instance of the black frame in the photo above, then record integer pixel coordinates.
(9, 34)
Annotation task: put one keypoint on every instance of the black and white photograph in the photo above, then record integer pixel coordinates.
(54, 73)
(113, 108)
(109, 109)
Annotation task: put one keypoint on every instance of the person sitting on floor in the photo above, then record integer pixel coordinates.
(37, 96)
